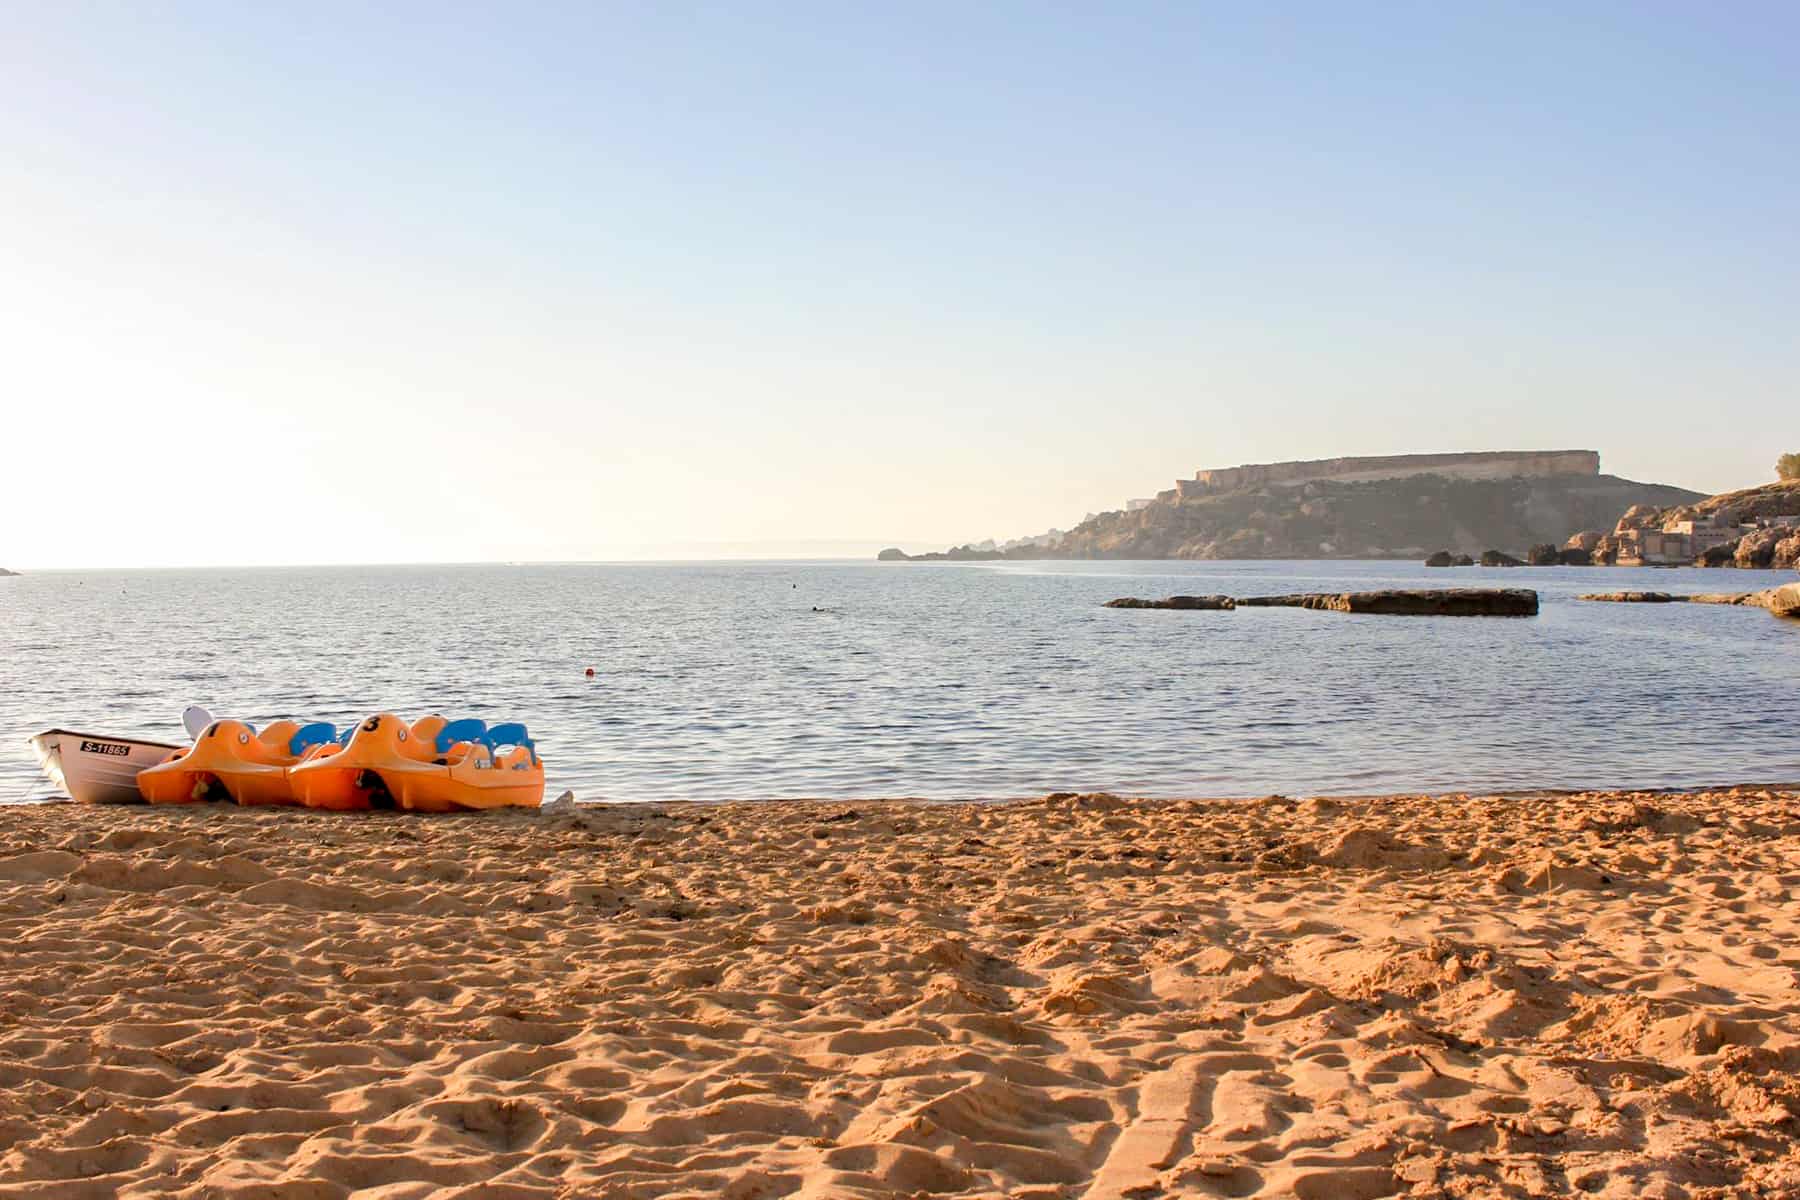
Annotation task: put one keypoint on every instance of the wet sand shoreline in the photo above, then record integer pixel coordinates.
(1532, 994)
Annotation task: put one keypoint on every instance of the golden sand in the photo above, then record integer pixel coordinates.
(1078, 996)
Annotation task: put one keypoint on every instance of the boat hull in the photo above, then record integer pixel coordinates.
(387, 764)
(97, 768)
(229, 761)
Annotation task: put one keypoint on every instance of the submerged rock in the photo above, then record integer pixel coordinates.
(1765, 599)
(1499, 558)
(1459, 602)
(1215, 603)
(1448, 602)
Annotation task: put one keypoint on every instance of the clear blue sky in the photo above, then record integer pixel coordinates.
(543, 281)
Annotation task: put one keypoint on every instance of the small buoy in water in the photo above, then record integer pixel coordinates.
(590, 672)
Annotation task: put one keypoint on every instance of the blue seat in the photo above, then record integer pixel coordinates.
(319, 733)
(469, 729)
(511, 734)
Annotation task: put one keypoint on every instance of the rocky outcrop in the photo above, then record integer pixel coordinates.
(1784, 601)
(1496, 558)
(1738, 599)
(954, 554)
(1443, 558)
(1575, 556)
(1778, 499)
(1773, 545)
(1765, 599)
(1449, 602)
(1215, 603)
(1585, 540)
(1544, 554)
(1756, 549)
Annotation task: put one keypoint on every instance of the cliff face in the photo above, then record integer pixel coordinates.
(1481, 464)
(1392, 518)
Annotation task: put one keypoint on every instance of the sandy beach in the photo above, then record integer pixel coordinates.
(1075, 996)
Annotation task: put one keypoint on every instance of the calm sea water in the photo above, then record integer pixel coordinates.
(719, 680)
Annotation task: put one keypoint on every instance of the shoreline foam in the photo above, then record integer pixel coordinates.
(1077, 995)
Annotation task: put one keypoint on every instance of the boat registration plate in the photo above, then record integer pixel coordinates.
(115, 749)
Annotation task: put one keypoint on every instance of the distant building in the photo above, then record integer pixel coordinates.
(1705, 532)
(1678, 542)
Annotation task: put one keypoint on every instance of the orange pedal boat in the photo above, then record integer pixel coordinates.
(231, 760)
(432, 765)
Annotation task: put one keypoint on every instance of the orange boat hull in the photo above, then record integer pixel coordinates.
(228, 762)
(389, 764)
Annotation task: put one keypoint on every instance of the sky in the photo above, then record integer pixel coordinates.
(441, 282)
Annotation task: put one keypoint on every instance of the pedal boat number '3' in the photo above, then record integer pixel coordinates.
(231, 760)
(433, 765)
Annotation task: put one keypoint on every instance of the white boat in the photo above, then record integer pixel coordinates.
(94, 768)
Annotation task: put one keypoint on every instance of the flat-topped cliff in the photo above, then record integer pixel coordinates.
(1484, 464)
(1405, 517)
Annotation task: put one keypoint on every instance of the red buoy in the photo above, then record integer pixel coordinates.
(590, 672)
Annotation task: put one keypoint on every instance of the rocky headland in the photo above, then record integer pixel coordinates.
(1757, 528)
(1403, 506)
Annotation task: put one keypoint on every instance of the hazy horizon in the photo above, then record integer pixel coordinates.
(437, 283)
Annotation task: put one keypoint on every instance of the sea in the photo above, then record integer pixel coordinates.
(946, 681)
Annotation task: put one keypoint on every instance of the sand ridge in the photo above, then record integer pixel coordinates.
(1075, 996)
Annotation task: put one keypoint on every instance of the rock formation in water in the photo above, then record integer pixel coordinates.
(1213, 603)
(1451, 602)
(4, 571)
(1447, 602)
(1783, 601)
